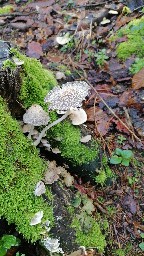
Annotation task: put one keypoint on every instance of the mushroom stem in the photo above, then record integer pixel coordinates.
(49, 126)
(31, 131)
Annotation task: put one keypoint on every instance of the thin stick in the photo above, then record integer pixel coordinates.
(134, 135)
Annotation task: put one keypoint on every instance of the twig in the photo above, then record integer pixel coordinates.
(13, 14)
(100, 207)
(116, 233)
(134, 135)
(91, 5)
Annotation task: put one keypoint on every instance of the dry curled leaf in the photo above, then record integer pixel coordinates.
(138, 80)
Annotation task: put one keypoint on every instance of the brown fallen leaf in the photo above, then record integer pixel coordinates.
(101, 119)
(34, 50)
(138, 80)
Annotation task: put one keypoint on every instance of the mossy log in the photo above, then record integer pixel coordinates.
(29, 84)
(21, 167)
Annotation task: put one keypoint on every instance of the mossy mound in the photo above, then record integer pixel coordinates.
(20, 170)
(134, 43)
(88, 229)
(36, 83)
(70, 146)
(92, 238)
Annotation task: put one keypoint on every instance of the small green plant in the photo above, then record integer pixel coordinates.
(90, 54)
(137, 65)
(6, 9)
(132, 180)
(19, 254)
(6, 242)
(126, 10)
(70, 4)
(141, 245)
(120, 139)
(68, 47)
(111, 210)
(101, 57)
(121, 157)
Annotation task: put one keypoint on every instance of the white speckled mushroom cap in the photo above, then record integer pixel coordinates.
(69, 95)
(36, 116)
(77, 116)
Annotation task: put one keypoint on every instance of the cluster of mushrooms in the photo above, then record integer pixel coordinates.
(66, 100)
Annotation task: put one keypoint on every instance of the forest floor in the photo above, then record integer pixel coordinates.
(69, 38)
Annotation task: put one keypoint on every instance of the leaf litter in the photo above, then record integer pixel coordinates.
(114, 107)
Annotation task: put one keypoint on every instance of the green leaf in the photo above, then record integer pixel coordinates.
(125, 162)
(127, 154)
(142, 235)
(3, 251)
(141, 246)
(118, 151)
(76, 202)
(115, 159)
(9, 241)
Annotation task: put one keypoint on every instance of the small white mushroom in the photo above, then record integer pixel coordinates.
(18, 62)
(40, 188)
(52, 245)
(113, 12)
(63, 39)
(37, 218)
(86, 138)
(77, 116)
(35, 116)
(105, 21)
(60, 75)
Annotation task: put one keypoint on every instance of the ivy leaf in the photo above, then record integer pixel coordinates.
(142, 235)
(9, 241)
(141, 246)
(76, 202)
(125, 162)
(3, 251)
(119, 151)
(127, 154)
(115, 159)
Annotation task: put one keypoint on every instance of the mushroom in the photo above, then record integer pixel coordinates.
(64, 39)
(77, 116)
(35, 116)
(52, 245)
(113, 12)
(105, 21)
(40, 188)
(37, 218)
(64, 100)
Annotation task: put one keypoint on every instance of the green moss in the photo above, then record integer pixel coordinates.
(91, 238)
(6, 9)
(9, 64)
(20, 170)
(137, 65)
(36, 81)
(104, 173)
(134, 44)
(70, 146)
